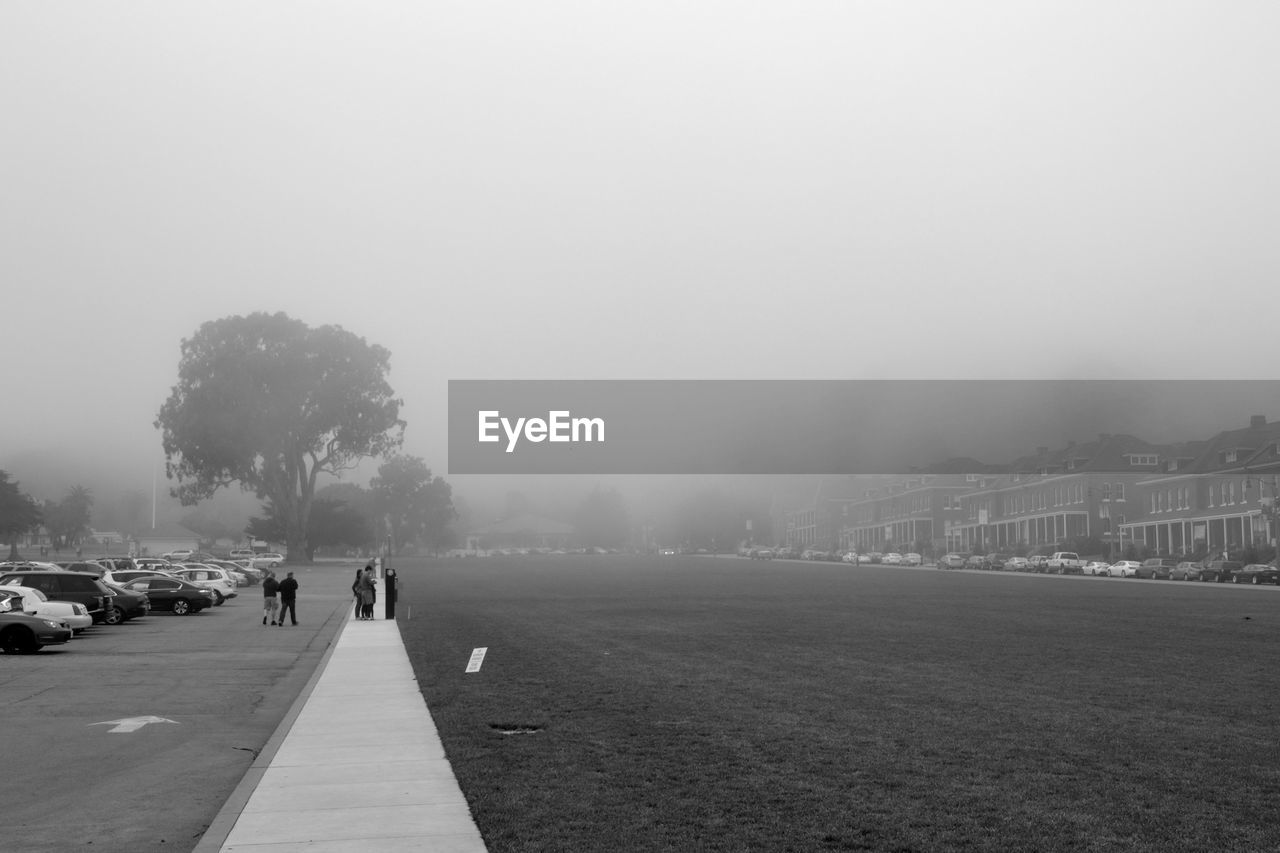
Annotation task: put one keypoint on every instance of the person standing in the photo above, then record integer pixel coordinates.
(368, 594)
(288, 590)
(270, 586)
(355, 592)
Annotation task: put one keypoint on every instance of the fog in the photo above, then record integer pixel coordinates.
(574, 191)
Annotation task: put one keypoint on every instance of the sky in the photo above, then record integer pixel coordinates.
(552, 190)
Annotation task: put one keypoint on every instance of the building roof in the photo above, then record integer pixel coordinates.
(1253, 445)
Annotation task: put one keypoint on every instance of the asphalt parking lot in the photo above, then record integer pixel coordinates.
(131, 737)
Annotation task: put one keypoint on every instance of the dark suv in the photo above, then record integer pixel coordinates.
(1158, 568)
(79, 587)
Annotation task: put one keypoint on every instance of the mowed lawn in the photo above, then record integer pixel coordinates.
(694, 703)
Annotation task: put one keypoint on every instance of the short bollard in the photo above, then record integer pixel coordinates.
(389, 594)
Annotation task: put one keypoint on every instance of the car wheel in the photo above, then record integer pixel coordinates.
(1255, 580)
(114, 616)
(218, 598)
(19, 641)
(181, 607)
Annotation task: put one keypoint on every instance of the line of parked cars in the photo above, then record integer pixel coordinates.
(44, 603)
(1153, 568)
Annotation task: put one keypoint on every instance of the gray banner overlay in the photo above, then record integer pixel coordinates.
(820, 426)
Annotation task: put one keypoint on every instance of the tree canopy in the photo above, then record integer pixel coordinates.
(68, 520)
(270, 403)
(417, 506)
(339, 517)
(18, 513)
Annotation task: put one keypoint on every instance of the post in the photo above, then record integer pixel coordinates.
(389, 594)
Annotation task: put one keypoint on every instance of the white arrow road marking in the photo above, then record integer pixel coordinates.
(477, 658)
(132, 724)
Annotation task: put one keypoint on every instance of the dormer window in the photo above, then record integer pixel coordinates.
(972, 478)
(1142, 459)
(1172, 466)
(1229, 456)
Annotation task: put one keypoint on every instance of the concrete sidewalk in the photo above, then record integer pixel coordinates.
(356, 765)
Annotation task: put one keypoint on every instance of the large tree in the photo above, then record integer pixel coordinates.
(270, 403)
(68, 520)
(18, 513)
(418, 507)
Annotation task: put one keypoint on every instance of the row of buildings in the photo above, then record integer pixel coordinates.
(1210, 496)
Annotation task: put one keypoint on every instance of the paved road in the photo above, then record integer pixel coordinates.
(224, 680)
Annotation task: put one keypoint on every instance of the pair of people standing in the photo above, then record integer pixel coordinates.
(365, 591)
(287, 591)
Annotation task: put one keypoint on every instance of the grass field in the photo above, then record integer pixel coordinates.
(687, 704)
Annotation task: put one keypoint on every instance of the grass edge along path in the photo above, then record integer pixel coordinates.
(701, 704)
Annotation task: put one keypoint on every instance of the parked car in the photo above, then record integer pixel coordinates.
(125, 604)
(1097, 567)
(61, 585)
(36, 603)
(1256, 573)
(975, 561)
(1065, 563)
(242, 554)
(272, 560)
(1218, 571)
(179, 554)
(121, 563)
(994, 562)
(211, 578)
(126, 576)
(156, 564)
(172, 594)
(951, 561)
(256, 575)
(912, 559)
(762, 553)
(1124, 569)
(233, 570)
(1185, 571)
(1015, 564)
(1157, 568)
(1038, 563)
(23, 633)
(892, 559)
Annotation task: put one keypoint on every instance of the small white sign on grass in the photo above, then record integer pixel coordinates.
(477, 658)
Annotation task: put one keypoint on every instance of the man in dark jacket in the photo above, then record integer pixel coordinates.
(288, 599)
(269, 603)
